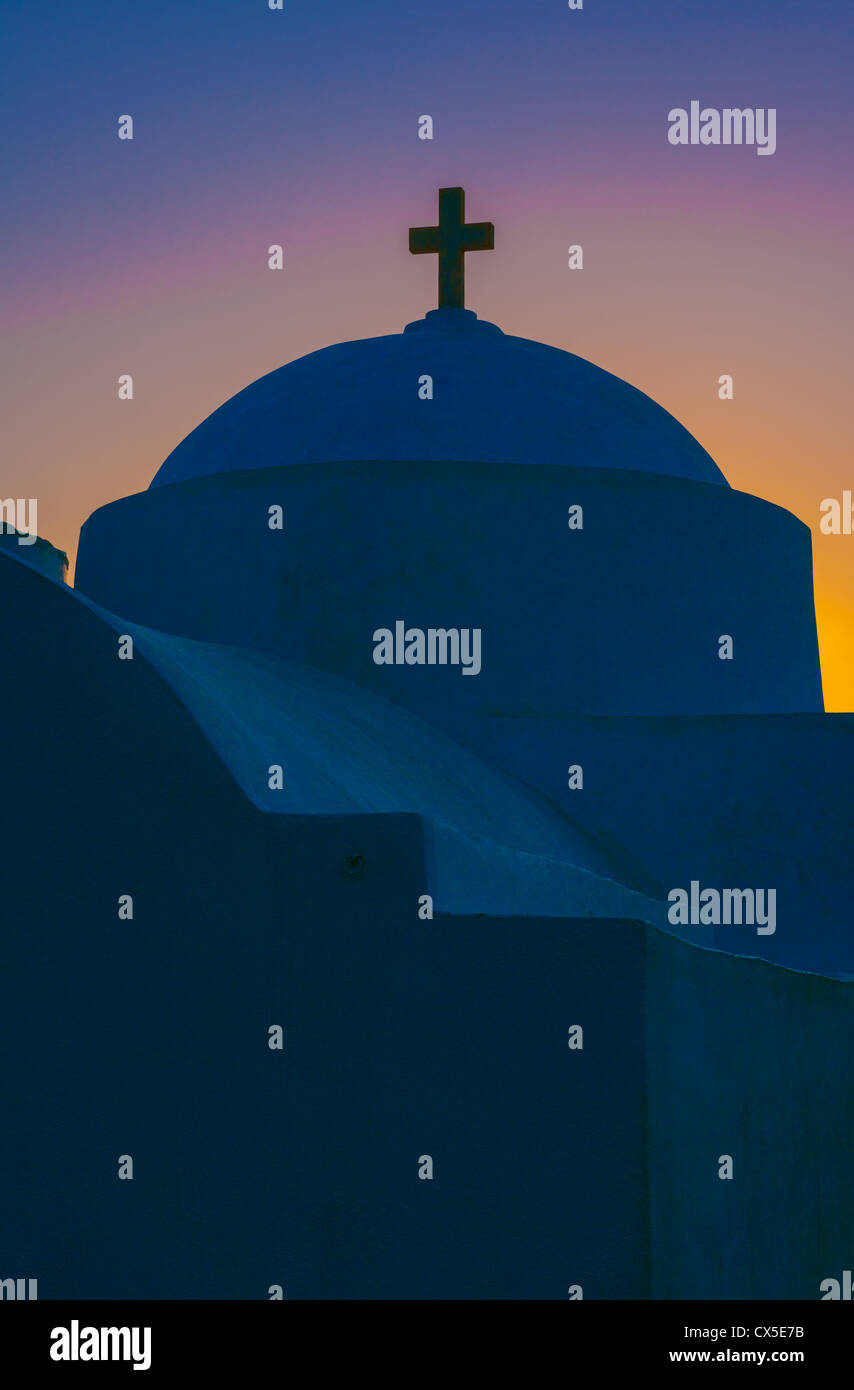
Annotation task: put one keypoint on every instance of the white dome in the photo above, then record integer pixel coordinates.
(496, 399)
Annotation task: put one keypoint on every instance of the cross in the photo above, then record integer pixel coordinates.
(452, 238)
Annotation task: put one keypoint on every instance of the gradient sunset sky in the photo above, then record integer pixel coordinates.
(299, 127)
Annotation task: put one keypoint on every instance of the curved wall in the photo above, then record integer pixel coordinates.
(620, 617)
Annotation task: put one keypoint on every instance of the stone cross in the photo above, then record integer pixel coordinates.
(451, 239)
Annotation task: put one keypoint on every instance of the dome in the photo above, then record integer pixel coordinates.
(496, 399)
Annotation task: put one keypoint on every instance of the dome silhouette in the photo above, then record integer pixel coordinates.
(495, 399)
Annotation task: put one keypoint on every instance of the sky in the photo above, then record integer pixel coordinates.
(299, 127)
